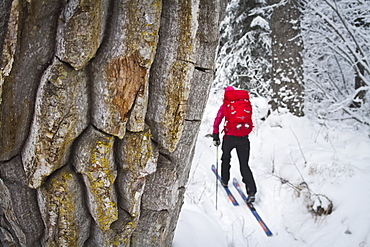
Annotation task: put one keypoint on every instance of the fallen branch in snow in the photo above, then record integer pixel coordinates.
(322, 205)
(317, 204)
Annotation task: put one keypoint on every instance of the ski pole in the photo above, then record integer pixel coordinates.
(216, 175)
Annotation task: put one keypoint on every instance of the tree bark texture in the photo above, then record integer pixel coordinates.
(287, 74)
(100, 107)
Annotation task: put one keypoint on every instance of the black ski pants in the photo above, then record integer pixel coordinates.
(242, 146)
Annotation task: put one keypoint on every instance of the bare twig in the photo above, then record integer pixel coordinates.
(299, 145)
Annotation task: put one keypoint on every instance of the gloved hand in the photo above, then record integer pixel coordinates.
(216, 140)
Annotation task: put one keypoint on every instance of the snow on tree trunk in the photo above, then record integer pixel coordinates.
(100, 107)
(287, 74)
(244, 56)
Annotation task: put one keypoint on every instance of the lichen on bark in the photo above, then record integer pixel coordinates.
(94, 160)
(63, 210)
(99, 112)
(138, 158)
(172, 72)
(121, 67)
(80, 31)
(60, 116)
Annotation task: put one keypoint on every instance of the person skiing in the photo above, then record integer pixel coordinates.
(235, 136)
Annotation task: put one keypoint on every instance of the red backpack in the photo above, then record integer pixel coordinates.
(238, 113)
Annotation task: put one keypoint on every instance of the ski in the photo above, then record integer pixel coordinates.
(228, 192)
(251, 207)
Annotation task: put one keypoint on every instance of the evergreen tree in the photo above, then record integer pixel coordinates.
(244, 57)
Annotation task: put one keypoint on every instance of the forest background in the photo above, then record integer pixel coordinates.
(306, 65)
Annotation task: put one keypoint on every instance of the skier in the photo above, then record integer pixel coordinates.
(232, 139)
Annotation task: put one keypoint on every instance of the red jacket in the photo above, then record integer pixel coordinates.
(220, 115)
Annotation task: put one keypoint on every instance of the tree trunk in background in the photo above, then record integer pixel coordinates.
(100, 107)
(287, 74)
(359, 83)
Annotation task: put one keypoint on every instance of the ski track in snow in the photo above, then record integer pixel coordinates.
(333, 162)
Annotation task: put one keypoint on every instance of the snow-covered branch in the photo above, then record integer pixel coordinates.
(336, 58)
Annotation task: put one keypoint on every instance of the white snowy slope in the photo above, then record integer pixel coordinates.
(333, 160)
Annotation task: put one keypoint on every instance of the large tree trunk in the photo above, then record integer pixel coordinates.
(287, 74)
(100, 107)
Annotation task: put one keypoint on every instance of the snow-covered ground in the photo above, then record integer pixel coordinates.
(333, 160)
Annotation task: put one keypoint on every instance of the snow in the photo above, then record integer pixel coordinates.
(259, 21)
(331, 158)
